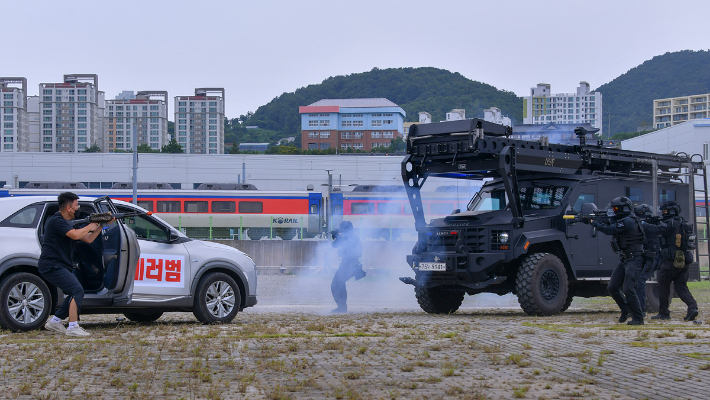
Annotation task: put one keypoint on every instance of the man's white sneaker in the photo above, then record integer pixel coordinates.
(77, 331)
(55, 326)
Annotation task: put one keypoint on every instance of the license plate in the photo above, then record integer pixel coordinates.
(432, 266)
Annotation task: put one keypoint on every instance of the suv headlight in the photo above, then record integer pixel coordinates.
(503, 237)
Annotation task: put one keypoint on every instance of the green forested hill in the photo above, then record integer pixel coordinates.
(433, 90)
(629, 98)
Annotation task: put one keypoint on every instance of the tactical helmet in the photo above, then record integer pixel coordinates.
(346, 226)
(670, 209)
(643, 211)
(622, 205)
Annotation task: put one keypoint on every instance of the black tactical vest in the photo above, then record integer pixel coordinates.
(634, 234)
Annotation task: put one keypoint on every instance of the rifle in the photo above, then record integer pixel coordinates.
(589, 212)
(106, 217)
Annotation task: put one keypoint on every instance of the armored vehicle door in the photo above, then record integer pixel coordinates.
(583, 238)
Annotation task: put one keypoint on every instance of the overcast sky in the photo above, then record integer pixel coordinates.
(258, 50)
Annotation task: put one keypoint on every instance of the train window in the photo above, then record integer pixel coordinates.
(666, 195)
(389, 208)
(224, 206)
(583, 198)
(314, 209)
(168, 206)
(338, 209)
(255, 207)
(148, 205)
(362, 208)
(634, 194)
(195, 206)
(441, 208)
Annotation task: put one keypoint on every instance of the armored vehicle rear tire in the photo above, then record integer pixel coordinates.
(541, 285)
(438, 300)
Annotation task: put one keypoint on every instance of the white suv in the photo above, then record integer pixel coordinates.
(141, 267)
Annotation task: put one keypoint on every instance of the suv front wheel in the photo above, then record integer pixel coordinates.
(217, 298)
(25, 302)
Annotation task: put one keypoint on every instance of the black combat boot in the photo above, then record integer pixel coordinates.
(625, 314)
(661, 316)
(635, 322)
(691, 315)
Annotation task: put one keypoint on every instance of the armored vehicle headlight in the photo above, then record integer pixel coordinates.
(503, 237)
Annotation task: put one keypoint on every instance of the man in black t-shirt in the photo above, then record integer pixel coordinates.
(55, 262)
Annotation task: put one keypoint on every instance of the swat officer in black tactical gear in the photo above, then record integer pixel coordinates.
(628, 239)
(349, 250)
(676, 259)
(652, 228)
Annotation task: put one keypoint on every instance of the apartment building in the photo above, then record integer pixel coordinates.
(676, 110)
(357, 124)
(146, 112)
(14, 120)
(199, 121)
(71, 118)
(544, 107)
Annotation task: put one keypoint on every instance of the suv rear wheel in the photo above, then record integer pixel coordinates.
(438, 300)
(542, 285)
(217, 298)
(25, 302)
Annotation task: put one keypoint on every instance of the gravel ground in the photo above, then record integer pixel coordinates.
(289, 347)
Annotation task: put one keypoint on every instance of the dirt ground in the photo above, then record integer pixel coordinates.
(289, 347)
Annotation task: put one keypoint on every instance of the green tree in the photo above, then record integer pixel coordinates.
(397, 144)
(145, 148)
(172, 147)
(93, 149)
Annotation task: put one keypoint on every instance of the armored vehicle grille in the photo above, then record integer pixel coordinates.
(444, 241)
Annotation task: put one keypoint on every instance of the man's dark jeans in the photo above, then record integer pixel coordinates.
(62, 278)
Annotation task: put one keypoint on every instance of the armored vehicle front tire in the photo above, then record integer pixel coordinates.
(438, 300)
(25, 302)
(542, 285)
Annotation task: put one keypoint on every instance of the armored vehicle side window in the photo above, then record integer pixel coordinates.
(362, 208)
(634, 194)
(666, 195)
(490, 200)
(583, 198)
(25, 218)
(542, 197)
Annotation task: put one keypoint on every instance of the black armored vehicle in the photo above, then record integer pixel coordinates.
(518, 234)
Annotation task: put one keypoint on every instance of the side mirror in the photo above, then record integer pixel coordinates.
(172, 236)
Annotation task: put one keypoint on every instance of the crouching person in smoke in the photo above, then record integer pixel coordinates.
(349, 251)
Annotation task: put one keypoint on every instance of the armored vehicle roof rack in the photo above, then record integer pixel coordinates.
(142, 185)
(477, 149)
(55, 185)
(227, 186)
